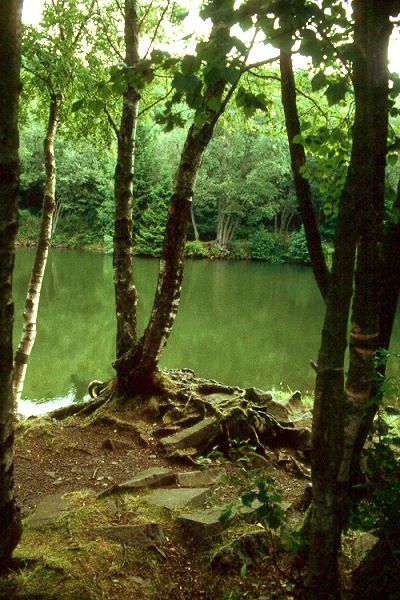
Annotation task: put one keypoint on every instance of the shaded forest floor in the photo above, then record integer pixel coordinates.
(86, 537)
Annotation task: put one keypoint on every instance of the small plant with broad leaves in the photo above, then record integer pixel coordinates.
(380, 506)
(263, 495)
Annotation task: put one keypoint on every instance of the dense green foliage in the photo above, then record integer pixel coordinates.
(245, 176)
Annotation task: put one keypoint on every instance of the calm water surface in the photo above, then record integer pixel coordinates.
(242, 323)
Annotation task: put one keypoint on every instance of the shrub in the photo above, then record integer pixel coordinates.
(268, 246)
(239, 249)
(28, 227)
(217, 252)
(195, 249)
(298, 251)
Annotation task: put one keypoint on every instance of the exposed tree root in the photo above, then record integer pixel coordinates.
(184, 402)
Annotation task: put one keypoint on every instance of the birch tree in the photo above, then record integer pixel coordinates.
(207, 81)
(10, 46)
(50, 58)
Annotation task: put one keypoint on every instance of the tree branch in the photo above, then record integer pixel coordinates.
(145, 14)
(302, 185)
(298, 91)
(160, 20)
(46, 81)
(60, 27)
(150, 106)
(111, 121)
(80, 30)
(261, 63)
(109, 40)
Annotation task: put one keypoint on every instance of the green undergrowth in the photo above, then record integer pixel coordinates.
(67, 560)
(282, 392)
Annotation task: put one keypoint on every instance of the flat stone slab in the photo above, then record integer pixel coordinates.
(193, 479)
(173, 498)
(153, 477)
(204, 523)
(144, 535)
(197, 435)
(150, 478)
(49, 510)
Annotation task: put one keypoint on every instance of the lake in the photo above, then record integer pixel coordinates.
(242, 323)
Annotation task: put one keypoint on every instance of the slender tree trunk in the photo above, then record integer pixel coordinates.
(226, 229)
(194, 225)
(389, 295)
(10, 49)
(125, 291)
(136, 368)
(365, 320)
(57, 214)
(219, 224)
(35, 283)
(328, 417)
(330, 397)
(302, 185)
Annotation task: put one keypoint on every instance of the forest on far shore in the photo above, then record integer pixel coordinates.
(244, 203)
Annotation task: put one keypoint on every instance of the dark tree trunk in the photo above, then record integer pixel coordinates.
(137, 368)
(125, 291)
(328, 418)
(35, 283)
(356, 209)
(302, 185)
(10, 48)
(389, 295)
(372, 94)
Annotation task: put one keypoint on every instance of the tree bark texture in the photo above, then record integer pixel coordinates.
(140, 364)
(125, 291)
(354, 218)
(389, 296)
(35, 283)
(225, 229)
(302, 185)
(371, 85)
(10, 49)
(137, 367)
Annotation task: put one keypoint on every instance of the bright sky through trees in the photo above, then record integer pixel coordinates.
(32, 10)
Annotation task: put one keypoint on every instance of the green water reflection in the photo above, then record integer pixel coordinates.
(241, 323)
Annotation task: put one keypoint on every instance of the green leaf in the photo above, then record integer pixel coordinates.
(187, 83)
(230, 74)
(239, 45)
(190, 64)
(225, 515)
(212, 75)
(336, 91)
(243, 570)
(248, 498)
(199, 119)
(246, 22)
(159, 56)
(77, 105)
(305, 173)
(318, 81)
(96, 106)
(214, 104)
